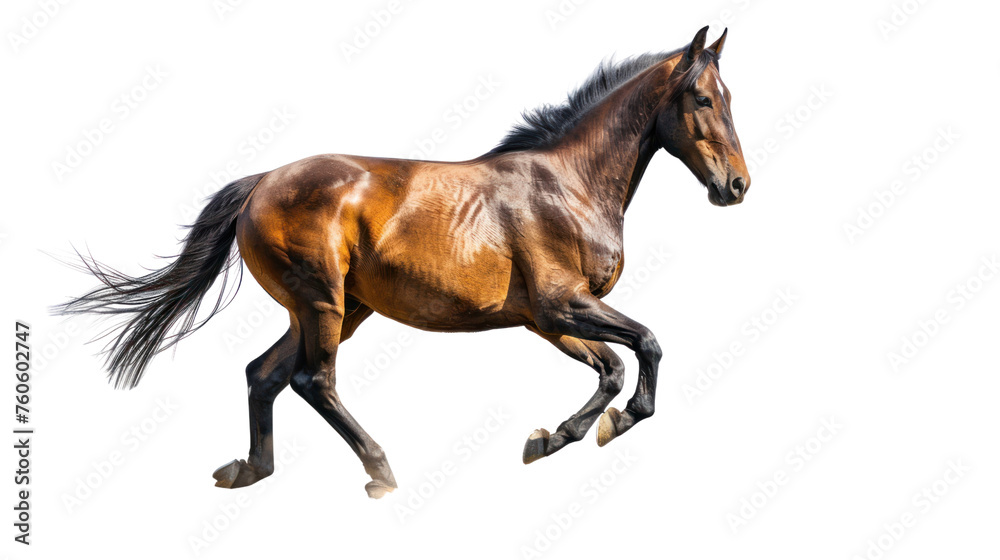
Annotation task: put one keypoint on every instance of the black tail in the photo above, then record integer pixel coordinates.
(163, 305)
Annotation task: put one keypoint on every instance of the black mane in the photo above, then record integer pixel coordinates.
(545, 125)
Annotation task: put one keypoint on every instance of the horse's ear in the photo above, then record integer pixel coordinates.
(697, 45)
(719, 43)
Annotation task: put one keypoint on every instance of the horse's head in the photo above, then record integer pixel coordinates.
(696, 126)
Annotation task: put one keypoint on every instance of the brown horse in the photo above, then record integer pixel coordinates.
(529, 234)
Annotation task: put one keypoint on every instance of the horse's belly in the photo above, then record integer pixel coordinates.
(427, 292)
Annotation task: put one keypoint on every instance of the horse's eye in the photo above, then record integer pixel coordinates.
(703, 101)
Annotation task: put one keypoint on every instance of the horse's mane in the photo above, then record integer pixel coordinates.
(545, 125)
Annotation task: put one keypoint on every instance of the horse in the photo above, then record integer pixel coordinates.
(527, 235)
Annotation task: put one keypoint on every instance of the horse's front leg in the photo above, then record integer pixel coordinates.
(576, 312)
(611, 377)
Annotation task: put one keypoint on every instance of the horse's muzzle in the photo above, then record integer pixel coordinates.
(728, 195)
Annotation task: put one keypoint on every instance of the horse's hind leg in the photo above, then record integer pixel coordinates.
(323, 324)
(267, 376)
(611, 373)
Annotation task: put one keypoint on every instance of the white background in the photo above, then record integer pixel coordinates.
(888, 89)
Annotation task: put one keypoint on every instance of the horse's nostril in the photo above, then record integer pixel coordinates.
(738, 186)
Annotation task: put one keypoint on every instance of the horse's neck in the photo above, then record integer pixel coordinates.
(612, 146)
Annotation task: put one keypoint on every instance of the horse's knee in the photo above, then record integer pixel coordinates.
(642, 404)
(648, 348)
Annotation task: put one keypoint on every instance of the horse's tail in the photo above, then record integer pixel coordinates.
(162, 306)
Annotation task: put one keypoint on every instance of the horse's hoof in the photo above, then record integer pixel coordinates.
(607, 428)
(376, 489)
(236, 474)
(534, 448)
